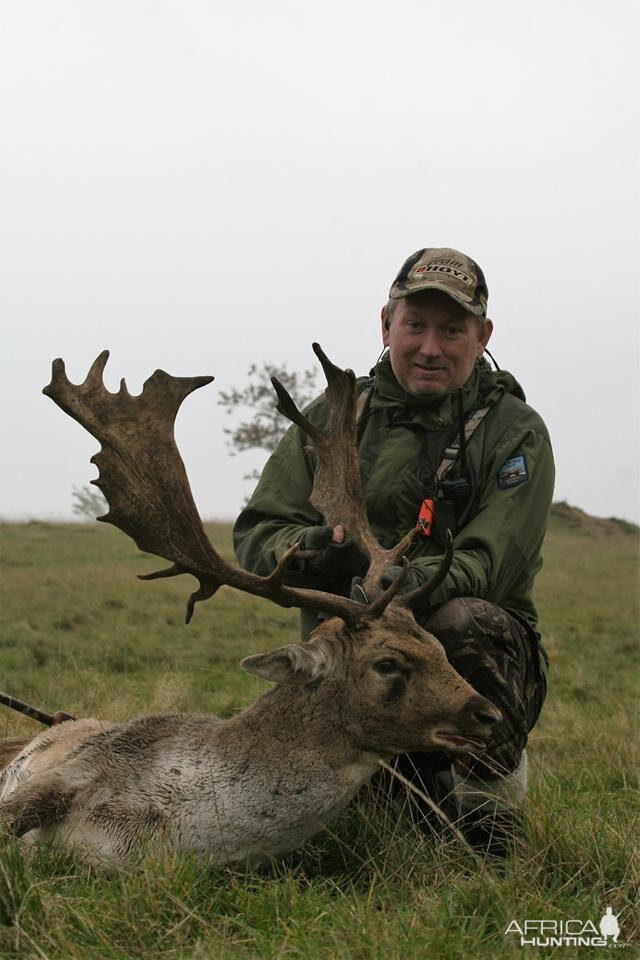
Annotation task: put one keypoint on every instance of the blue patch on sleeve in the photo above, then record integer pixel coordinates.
(513, 472)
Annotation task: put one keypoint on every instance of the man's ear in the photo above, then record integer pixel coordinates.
(291, 665)
(384, 317)
(485, 334)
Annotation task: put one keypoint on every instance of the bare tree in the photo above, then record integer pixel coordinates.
(88, 502)
(265, 426)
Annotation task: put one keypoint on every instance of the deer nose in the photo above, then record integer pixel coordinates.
(485, 713)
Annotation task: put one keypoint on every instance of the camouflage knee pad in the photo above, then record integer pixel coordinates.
(498, 655)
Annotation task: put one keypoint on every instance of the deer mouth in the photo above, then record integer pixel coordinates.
(459, 742)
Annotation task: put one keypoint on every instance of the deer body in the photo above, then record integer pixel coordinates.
(252, 787)
(196, 785)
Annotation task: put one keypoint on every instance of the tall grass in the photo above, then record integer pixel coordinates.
(78, 632)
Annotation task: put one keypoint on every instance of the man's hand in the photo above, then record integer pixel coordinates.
(321, 548)
(357, 591)
(326, 559)
(413, 581)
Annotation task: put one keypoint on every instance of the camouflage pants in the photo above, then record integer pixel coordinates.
(498, 655)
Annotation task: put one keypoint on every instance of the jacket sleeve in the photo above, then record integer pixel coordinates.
(497, 553)
(278, 512)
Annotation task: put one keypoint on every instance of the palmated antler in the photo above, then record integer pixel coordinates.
(145, 483)
(337, 488)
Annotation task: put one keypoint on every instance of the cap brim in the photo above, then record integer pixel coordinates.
(469, 304)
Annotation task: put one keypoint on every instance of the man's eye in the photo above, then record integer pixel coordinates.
(452, 331)
(386, 666)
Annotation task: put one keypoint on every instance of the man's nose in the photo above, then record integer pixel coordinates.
(430, 344)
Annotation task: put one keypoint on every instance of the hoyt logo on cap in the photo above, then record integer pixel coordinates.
(441, 268)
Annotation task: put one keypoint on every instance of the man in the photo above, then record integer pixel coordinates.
(445, 441)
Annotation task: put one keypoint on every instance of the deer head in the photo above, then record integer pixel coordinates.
(386, 681)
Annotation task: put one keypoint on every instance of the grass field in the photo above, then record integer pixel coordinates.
(78, 632)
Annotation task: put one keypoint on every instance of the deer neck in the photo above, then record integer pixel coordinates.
(277, 773)
(307, 722)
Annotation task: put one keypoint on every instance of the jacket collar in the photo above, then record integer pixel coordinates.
(484, 386)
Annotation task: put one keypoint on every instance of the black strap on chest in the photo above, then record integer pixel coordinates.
(362, 407)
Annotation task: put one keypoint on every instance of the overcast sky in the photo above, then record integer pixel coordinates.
(202, 185)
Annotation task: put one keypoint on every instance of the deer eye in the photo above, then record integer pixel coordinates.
(385, 667)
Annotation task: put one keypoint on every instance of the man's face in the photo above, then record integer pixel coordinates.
(433, 342)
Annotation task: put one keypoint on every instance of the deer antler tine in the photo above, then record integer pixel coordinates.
(375, 609)
(331, 371)
(94, 377)
(58, 368)
(419, 596)
(401, 548)
(287, 408)
(276, 575)
(58, 375)
(341, 383)
(172, 571)
(206, 589)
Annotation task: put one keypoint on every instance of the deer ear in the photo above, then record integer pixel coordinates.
(290, 665)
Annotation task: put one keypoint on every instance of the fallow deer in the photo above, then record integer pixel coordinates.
(369, 682)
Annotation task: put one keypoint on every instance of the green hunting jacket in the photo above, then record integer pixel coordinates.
(401, 443)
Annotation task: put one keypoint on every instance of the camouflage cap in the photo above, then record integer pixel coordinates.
(441, 268)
